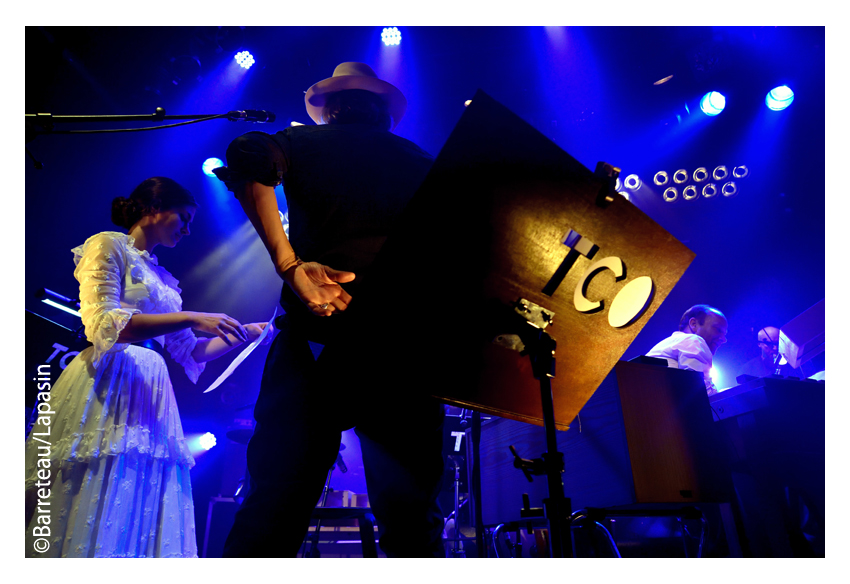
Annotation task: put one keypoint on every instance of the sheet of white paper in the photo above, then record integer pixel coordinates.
(242, 356)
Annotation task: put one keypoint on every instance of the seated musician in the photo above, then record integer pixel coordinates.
(702, 330)
(769, 361)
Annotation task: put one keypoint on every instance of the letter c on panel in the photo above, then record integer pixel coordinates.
(581, 303)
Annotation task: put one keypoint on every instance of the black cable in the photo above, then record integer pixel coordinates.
(215, 117)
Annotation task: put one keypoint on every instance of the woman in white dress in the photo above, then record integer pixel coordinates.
(107, 475)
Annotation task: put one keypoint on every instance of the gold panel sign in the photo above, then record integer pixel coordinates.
(505, 215)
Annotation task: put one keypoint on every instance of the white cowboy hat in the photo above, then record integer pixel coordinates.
(353, 75)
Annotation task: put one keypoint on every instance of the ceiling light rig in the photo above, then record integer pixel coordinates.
(698, 183)
(670, 194)
(729, 189)
(779, 98)
(712, 103)
(391, 36)
(632, 182)
(244, 58)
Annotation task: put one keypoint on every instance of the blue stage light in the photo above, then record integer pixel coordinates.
(391, 36)
(779, 98)
(210, 164)
(60, 307)
(670, 194)
(714, 374)
(207, 441)
(632, 182)
(712, 103)
(245, 59)
(690, 193)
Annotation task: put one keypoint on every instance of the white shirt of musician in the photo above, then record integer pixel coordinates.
(686, 351)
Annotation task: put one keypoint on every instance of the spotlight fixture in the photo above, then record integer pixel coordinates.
(245, 59)
(779, 98)
(700, 174)
(625, 195)
(740, 171)
(632, 182)
(671, 194)
(210, 164)
(729, 189)
(709, 190)
(680, 176)
(690, 193)
(661, 178)
(391, 36)
(618, 184)
(712, 103)
(207, 441)
(715, 375)
(720, 173)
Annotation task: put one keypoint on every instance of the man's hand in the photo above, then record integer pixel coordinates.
(317, 286)
(255, 329)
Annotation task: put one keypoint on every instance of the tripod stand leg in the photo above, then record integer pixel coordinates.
(557, 506)
(314, 542)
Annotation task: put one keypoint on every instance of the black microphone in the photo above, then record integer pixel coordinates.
(261, 116)
(340, 463)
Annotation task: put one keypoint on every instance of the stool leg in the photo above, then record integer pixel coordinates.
(367, 535)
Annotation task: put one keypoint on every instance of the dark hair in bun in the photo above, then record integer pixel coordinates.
(153, 195)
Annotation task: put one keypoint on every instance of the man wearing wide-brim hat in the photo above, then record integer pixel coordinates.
(346, 181)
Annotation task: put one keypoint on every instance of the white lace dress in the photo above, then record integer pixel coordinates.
(118, 462)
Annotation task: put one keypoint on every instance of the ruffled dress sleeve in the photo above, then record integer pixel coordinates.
(101, 265)
(180, 344)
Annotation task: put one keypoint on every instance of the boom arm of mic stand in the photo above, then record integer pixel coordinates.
(44, 123)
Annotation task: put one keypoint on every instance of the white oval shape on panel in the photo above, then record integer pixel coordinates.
(630, 302)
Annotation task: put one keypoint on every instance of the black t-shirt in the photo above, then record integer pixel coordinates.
(345, 186)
